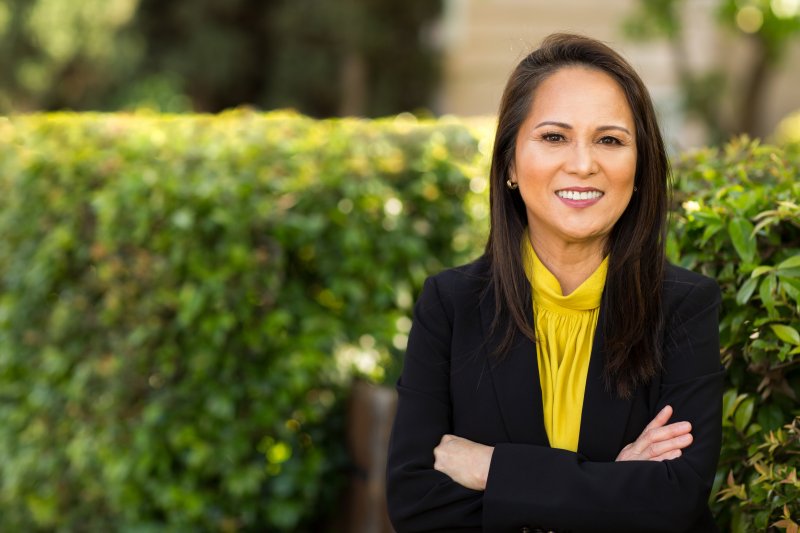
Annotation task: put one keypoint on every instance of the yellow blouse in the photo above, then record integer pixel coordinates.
(565, 328)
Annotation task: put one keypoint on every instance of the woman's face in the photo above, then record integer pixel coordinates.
(575, 157)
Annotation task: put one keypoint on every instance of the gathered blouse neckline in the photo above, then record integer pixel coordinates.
(547, 290)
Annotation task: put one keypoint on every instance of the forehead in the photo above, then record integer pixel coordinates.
(580, 94)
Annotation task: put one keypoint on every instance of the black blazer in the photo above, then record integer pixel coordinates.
(450, 385)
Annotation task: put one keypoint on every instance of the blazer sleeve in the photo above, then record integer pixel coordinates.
(419, 497)
(551, 488)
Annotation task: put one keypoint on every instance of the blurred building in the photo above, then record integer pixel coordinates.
(483, 40)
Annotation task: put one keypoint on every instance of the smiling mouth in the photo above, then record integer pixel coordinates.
(579, 195)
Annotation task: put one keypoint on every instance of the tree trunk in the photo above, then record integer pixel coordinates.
(754, 85)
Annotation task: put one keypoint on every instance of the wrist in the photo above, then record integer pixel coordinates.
(484, 465)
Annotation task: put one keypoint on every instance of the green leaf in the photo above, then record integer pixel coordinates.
(753, 429)
(783, 353)
(719, 477)
(730, 400)
(758, 271)
(710, 231)
(766, 292)
(794, 282)
(673, 248)
(792, 262)
(761, 519)
(789, 275)
(746, 291)
(770, 417)
(741, 233)
(786, 333)
(743, 414)
(738, 522)
(791, 291)
(765, 222)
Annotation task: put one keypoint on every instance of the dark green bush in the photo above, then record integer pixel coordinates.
(183, 301)
(739, 222)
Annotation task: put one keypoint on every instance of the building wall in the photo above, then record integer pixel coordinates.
(484, 39)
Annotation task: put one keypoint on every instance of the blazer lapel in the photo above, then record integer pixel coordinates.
(516, 381)
(604, 415)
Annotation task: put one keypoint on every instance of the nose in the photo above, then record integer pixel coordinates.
(581, 161)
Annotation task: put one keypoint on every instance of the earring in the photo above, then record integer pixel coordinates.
(511, 184)
(635, 188)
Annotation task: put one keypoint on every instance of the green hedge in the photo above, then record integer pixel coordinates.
(184, 301)
(739, 222)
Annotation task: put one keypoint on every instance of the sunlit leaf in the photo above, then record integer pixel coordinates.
(740, 231)
(746, 291)
(792, 262)
(786, 333)
(743, 414)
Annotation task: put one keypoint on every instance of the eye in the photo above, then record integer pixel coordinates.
(608, 139)
(552, 137)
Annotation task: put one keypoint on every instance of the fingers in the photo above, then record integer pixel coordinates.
(668, 432)
(654, 442)
(659, 441)
(658, 449)
(660, 419)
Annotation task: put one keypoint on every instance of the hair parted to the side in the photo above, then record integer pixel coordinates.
(636, 246)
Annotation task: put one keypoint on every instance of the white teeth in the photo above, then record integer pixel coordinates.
(575, 195)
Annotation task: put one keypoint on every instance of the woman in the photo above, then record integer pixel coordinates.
(569, 379)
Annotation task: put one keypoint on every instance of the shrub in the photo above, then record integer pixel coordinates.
(183, 301)
(737, 219)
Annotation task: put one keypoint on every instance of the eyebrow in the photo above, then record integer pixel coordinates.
(568, 127)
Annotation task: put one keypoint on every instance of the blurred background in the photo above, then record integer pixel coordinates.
(714, 67)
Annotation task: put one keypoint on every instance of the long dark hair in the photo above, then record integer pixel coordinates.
(631, 307)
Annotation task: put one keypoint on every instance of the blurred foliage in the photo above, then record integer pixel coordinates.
(184, 300)
(56, 53)
(379, 55)
(767, 25)
(737, 219)
(788, 131)
(322, 57)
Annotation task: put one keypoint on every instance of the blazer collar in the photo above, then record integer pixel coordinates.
(516, 383)
(516, 380)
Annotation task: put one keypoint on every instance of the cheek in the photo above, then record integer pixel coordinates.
(622, 181)
(626, 169)
(621, 166)
(532, 161)
(624, 197)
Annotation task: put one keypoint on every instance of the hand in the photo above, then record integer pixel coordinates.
(659, 442)
(466, 462)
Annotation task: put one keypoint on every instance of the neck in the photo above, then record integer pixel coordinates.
(570, 262)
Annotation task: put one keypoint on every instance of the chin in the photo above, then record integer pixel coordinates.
(583, 236)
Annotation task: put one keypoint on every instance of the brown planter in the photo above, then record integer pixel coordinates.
(369, 423)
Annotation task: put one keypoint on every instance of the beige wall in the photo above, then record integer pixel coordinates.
(484, 39)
